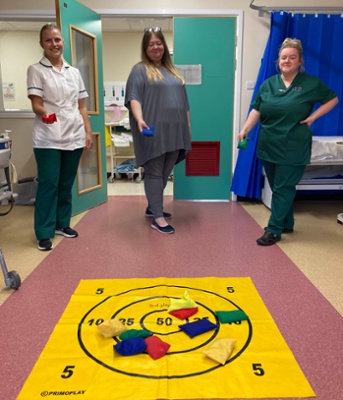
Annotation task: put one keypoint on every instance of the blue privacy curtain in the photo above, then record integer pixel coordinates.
(321, 37)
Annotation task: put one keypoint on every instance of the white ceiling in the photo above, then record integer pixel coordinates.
(108, 24)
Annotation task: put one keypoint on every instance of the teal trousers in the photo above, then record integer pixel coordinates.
(282, 180)
(56, 175)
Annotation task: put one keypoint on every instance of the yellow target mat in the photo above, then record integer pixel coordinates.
(78, 362)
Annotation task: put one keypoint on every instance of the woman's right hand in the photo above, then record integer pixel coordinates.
(241, 136)
(142, 124)
(137, 112)
(251, 121)
(49, 118)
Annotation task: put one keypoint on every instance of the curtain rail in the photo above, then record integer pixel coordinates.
(319, 9)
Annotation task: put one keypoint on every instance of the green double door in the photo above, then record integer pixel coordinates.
(210, 44)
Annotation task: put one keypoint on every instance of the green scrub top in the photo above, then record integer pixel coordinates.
(282, 139)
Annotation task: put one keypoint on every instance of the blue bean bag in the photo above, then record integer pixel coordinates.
(130, 347)
(196, 328)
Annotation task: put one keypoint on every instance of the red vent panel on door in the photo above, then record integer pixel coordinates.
(203, 160)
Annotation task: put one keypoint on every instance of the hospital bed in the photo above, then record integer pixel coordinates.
(325, 171)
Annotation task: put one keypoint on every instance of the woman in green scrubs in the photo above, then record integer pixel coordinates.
(284, 106)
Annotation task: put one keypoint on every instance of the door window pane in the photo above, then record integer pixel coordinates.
(83, 51)
(89, 172)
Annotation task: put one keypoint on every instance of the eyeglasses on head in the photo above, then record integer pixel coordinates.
(156, 29)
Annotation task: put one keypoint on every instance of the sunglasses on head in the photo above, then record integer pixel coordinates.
(156, 29)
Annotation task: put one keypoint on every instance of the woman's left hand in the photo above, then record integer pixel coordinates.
(89, 140)
(322, 110)
(309, 121)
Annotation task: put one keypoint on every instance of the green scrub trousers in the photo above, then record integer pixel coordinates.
(282, 180)
(56, 175)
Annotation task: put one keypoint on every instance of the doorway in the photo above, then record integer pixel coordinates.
(235, 35)
(136, 21)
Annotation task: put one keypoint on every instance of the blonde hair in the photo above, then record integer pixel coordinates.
(153, 73)
(50, 26)
(294, 44)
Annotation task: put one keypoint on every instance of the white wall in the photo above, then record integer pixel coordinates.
(18, 49)
(120, 52)
(255, 31)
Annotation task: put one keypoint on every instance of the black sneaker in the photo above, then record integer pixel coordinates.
(163, 229)
(66, 232)
(166, 215)
(268, 239)
(45, 245)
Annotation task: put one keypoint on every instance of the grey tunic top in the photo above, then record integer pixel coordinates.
(164, 105)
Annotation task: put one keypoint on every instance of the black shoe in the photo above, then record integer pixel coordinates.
(66, 232)
(45, 245)
(162, 229)
(166, 215)
(268, 239)
(285, 230)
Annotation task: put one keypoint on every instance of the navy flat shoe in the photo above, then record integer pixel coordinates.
(162, 229)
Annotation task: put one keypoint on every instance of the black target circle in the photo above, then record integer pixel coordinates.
(154, 319)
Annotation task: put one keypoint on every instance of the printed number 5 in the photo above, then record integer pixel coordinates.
(67, 372)
(259, 371)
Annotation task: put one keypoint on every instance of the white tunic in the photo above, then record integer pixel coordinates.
(60, 91)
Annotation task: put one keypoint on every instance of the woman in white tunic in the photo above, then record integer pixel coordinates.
(60, 133)
(156, 98)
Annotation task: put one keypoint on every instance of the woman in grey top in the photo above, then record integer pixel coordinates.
(160, 121)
